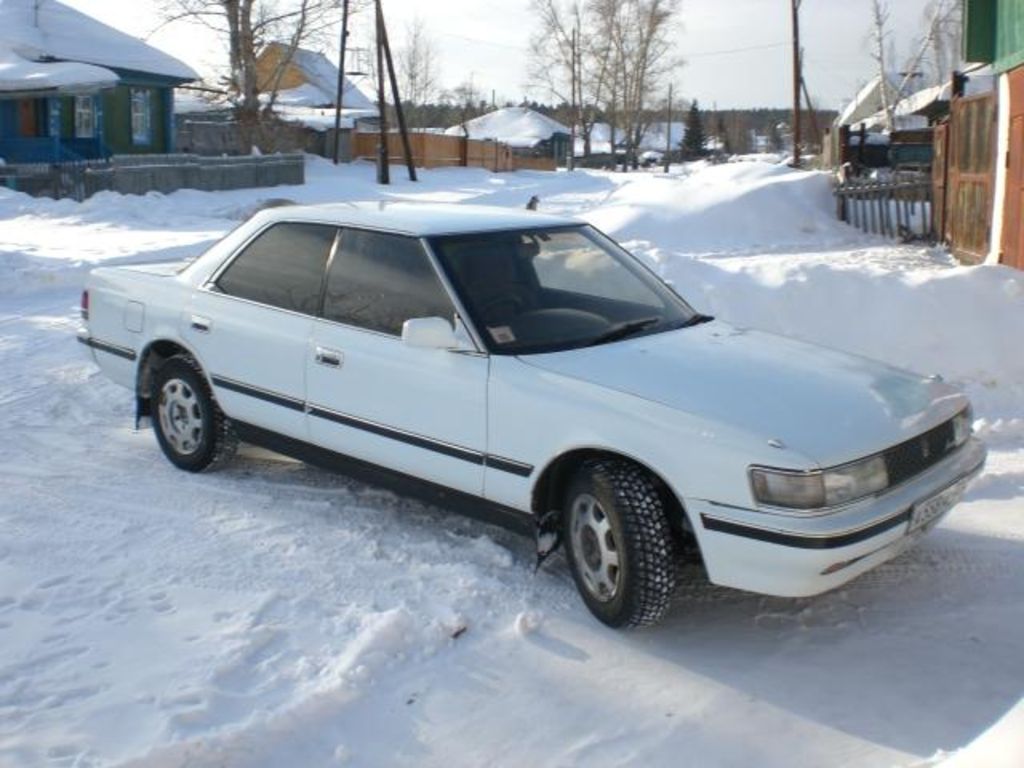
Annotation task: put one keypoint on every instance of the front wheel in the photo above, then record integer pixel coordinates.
(619, 543)
(191, 429)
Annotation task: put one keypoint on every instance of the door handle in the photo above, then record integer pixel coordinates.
(201, 324)
(332, 358)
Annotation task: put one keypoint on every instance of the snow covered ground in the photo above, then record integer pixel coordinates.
(275, 615)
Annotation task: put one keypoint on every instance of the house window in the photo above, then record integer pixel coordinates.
(142, 116)
(85, 117)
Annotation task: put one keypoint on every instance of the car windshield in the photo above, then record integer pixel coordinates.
(546, 290)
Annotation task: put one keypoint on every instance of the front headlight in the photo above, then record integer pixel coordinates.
(819, 489)
(962, 426)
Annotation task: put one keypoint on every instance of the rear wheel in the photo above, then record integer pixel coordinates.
(191, 429)
(619, 543)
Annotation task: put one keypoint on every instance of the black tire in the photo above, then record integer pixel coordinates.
(190, 427)
(620, 504)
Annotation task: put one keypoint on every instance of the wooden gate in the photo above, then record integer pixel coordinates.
(970, 160)
(1012, 245)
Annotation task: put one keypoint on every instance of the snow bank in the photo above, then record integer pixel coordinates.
(928, 316)
(730, 207)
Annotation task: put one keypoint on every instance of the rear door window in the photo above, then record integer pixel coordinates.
(283, 267)
(378, 280)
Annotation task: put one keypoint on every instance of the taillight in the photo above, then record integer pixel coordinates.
(84, 307)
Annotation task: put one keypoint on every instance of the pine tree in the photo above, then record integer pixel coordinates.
(695, 140)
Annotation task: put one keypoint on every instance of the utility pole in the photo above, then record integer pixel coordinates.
(383, 170)
(399, 110)
(341, 79)
(571, 156)
(668, 130)
(797, 80)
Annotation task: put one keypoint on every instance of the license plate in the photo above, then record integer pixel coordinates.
(927, 512)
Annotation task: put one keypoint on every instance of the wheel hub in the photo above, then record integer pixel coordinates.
(181, 417)
(595, 548)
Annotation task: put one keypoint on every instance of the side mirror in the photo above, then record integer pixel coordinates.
(429, 333)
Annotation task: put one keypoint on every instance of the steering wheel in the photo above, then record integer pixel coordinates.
(513, 301)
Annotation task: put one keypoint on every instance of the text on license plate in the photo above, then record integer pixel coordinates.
(930, 510)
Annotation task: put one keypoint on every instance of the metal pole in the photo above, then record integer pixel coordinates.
(383, 171)
(341, 78)
(399, 112)
(668, 130)
(795, 5)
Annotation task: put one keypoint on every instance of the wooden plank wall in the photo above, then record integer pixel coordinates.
(431, 150)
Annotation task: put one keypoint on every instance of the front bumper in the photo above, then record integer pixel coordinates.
(794, 556)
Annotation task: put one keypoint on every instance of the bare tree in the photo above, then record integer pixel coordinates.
(641, 35)
(247, 26)
(624, 51)
(944, 37)
(879, 36)
(418, 69)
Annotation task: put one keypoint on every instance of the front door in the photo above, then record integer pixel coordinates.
(251, 329)
(419, 411)
(28, 124)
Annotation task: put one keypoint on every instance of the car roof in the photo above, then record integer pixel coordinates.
(419, 219)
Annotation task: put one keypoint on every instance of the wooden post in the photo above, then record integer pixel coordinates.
(668, 130)
(341, 78)
(399, 112)
(795, 7)
(383, 171)
(571, 154)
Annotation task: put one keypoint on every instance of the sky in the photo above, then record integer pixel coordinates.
(736, 52)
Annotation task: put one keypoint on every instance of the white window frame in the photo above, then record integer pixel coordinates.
(85, 117)
(142, 116)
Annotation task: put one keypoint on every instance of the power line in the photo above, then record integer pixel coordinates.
(728, 51)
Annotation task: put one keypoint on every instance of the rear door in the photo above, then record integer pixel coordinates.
(251, 326)
(418, 411)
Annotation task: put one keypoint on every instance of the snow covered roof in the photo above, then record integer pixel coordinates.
(655, 135)
(515, 126)
(45, 30)
(321, 86)
(868, 100)
(924, 99)
(18, 74)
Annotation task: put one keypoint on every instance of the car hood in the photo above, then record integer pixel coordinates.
(829, 406)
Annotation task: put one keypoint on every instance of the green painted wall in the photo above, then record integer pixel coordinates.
(980, 30)
(1009, 34)
(117, 121)
(994, 33)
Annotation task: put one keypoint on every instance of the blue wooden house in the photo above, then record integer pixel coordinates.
(72, 88)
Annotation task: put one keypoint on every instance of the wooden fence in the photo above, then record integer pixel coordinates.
(139, 174)
(432, 150)
(898, 209)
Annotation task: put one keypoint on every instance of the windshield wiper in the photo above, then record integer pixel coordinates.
(697, 319)
(623, 330)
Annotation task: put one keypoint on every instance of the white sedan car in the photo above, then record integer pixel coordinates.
(527, 368)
